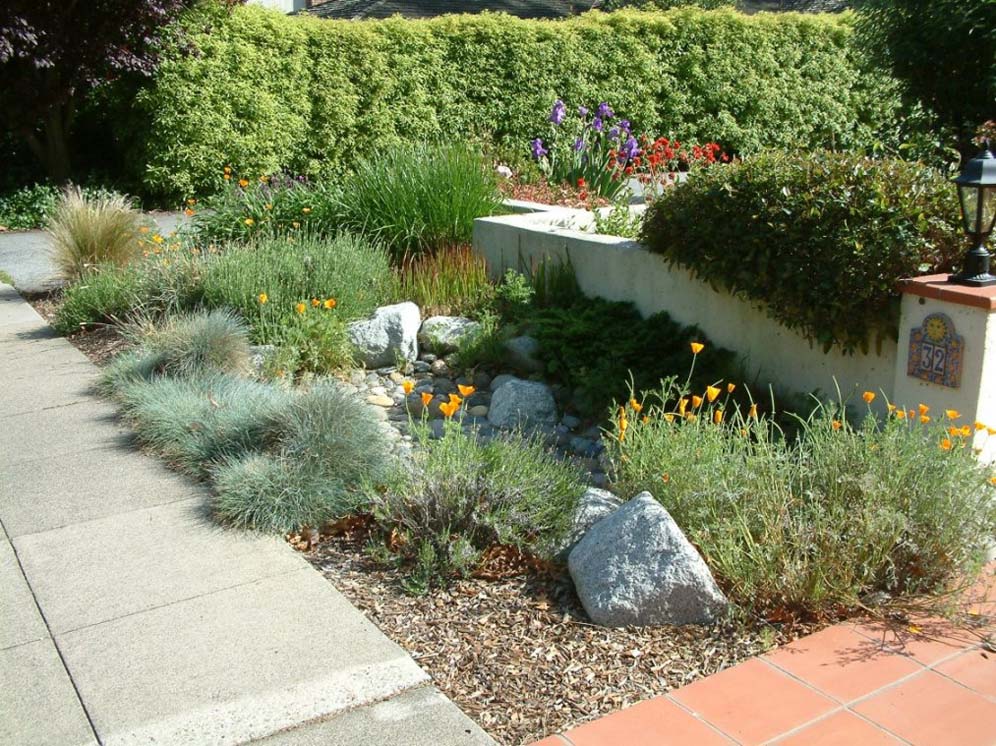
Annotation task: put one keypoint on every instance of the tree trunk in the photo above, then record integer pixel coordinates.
(51, 145)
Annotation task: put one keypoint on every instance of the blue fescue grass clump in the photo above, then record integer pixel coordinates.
(181, 346)
(197, 422)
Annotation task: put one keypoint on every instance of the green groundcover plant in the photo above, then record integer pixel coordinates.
(809, 525)
(820, 238)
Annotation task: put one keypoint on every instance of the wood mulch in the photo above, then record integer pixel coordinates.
(516, 651)
(99, 342)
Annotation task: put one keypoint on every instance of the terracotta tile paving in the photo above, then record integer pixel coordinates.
(842, 728)
(919, 681)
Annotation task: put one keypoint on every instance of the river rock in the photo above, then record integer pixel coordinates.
(526, 403)
(443, 334)
(636, 567)
(390, 334)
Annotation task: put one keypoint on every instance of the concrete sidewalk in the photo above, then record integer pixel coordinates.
(127, 617)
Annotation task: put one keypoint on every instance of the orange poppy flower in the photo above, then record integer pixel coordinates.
(868, 396)
(466, 390)
(407, 386)
(697, 347)
(426, 398)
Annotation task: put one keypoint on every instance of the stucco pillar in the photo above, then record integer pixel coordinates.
(947, 353)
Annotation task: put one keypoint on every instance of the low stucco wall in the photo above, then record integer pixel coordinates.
(620, 270)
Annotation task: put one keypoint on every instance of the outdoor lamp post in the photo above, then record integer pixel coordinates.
(977, 193)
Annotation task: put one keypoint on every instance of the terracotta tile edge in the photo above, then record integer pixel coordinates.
(937, 288)
(692, 713)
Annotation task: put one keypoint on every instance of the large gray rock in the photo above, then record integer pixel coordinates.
(593, 506)
(636, 567)
(522, 354)
(388, 336)
(522, 403)
(443, 334)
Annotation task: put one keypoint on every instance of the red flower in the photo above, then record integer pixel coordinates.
(584, 196)
(581, 183)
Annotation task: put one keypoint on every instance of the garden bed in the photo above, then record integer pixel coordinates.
(517, 652)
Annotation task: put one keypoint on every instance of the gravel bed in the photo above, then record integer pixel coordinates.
(516, 651)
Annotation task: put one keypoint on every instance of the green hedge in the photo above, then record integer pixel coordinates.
(820, 238)
(261, 91)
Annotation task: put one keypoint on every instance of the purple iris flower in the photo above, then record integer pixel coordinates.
(559, 112)
(624, 123)
(614, 133)
(605, 111)
(582, 111)
(538, 150)
(631, 148)
(596, 124)
(578, 145)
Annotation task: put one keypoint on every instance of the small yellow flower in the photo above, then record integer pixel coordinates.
(466, 390)
(711, 393)
(696, 402)
(455, 399)
(965, 431)
(157, 238)
(329, 303)
(954, 432)
(990, 431)
(697, 347)
(752, 412)
(191, 202)
(267, 206)
(243, 183)
(900, 414)
(669, 417)
(868, 396)
(682, 406)
(295, 224)
(306, 210)
(946, 444)
(979, 427)
(924, 419)
(228, 169)
(992, 481)
(730, 388)
(690, 417)
(923, 409)
(315, 303)
(407, 386)
(836, 424)
(717, 416)
(248, 221)
(263, 298)
(227, 177)
(449, 408)
(300, 308)
(952, 414)
(637, 407)
(891, 408)
(426, 398)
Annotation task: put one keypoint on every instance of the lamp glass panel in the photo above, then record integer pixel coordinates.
(969, 207)
(988, 208)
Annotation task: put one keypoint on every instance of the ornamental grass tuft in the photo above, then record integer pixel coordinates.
(811, 524)
(89, 231)
(422, 198)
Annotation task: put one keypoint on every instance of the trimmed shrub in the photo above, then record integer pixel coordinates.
(89, 231)
(819, 238)
(263, 92)
(460, 495)
(809, 526)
